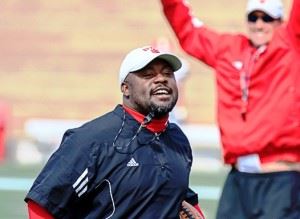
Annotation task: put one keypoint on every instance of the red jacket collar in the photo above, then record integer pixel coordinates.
(156, 125)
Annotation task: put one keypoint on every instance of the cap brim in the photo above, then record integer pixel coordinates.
(172, 60)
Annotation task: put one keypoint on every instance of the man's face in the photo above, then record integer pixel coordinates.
(261, 27)
(152, 88)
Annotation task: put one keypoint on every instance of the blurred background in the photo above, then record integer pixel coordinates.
(59, 63)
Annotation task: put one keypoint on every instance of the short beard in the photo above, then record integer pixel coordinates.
(160, 111)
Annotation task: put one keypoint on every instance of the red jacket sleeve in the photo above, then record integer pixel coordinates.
(35, 211)
(294, 23)
(196, 39)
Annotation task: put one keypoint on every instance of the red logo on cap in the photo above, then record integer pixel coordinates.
(151, 49)
(262, 1)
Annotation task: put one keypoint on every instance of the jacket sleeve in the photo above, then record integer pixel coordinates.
(66, 177)
(195, 38)
(192, 198)
(293, 24)
(35, 211)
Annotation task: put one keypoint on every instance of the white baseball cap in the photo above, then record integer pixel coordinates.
(274, 8)
(140, 57)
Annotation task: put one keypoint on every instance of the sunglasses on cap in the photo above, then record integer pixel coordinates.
(266, 18)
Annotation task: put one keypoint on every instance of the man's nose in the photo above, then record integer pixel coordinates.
(259, 22)
(160, 77)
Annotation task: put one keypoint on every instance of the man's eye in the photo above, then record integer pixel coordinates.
(148, 74)
(168, 72)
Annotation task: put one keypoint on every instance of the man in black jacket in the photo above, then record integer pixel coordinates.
(128, 163)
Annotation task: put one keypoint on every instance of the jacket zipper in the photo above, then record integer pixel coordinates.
(245, 77)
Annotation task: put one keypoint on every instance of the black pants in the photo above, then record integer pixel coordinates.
(260, 196)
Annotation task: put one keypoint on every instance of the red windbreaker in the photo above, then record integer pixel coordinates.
(268, 122)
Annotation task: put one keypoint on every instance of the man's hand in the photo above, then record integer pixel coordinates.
(189, 212)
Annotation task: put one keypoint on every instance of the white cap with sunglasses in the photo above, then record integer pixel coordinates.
(274, 8)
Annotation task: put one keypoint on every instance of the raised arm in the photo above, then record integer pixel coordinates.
(294, 23)
(196, 39)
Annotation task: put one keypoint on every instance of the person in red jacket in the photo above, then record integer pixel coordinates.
(258, 100)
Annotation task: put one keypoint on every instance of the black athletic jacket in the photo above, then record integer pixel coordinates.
(101, 171)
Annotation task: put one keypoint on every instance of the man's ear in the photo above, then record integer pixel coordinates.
(125, 89)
